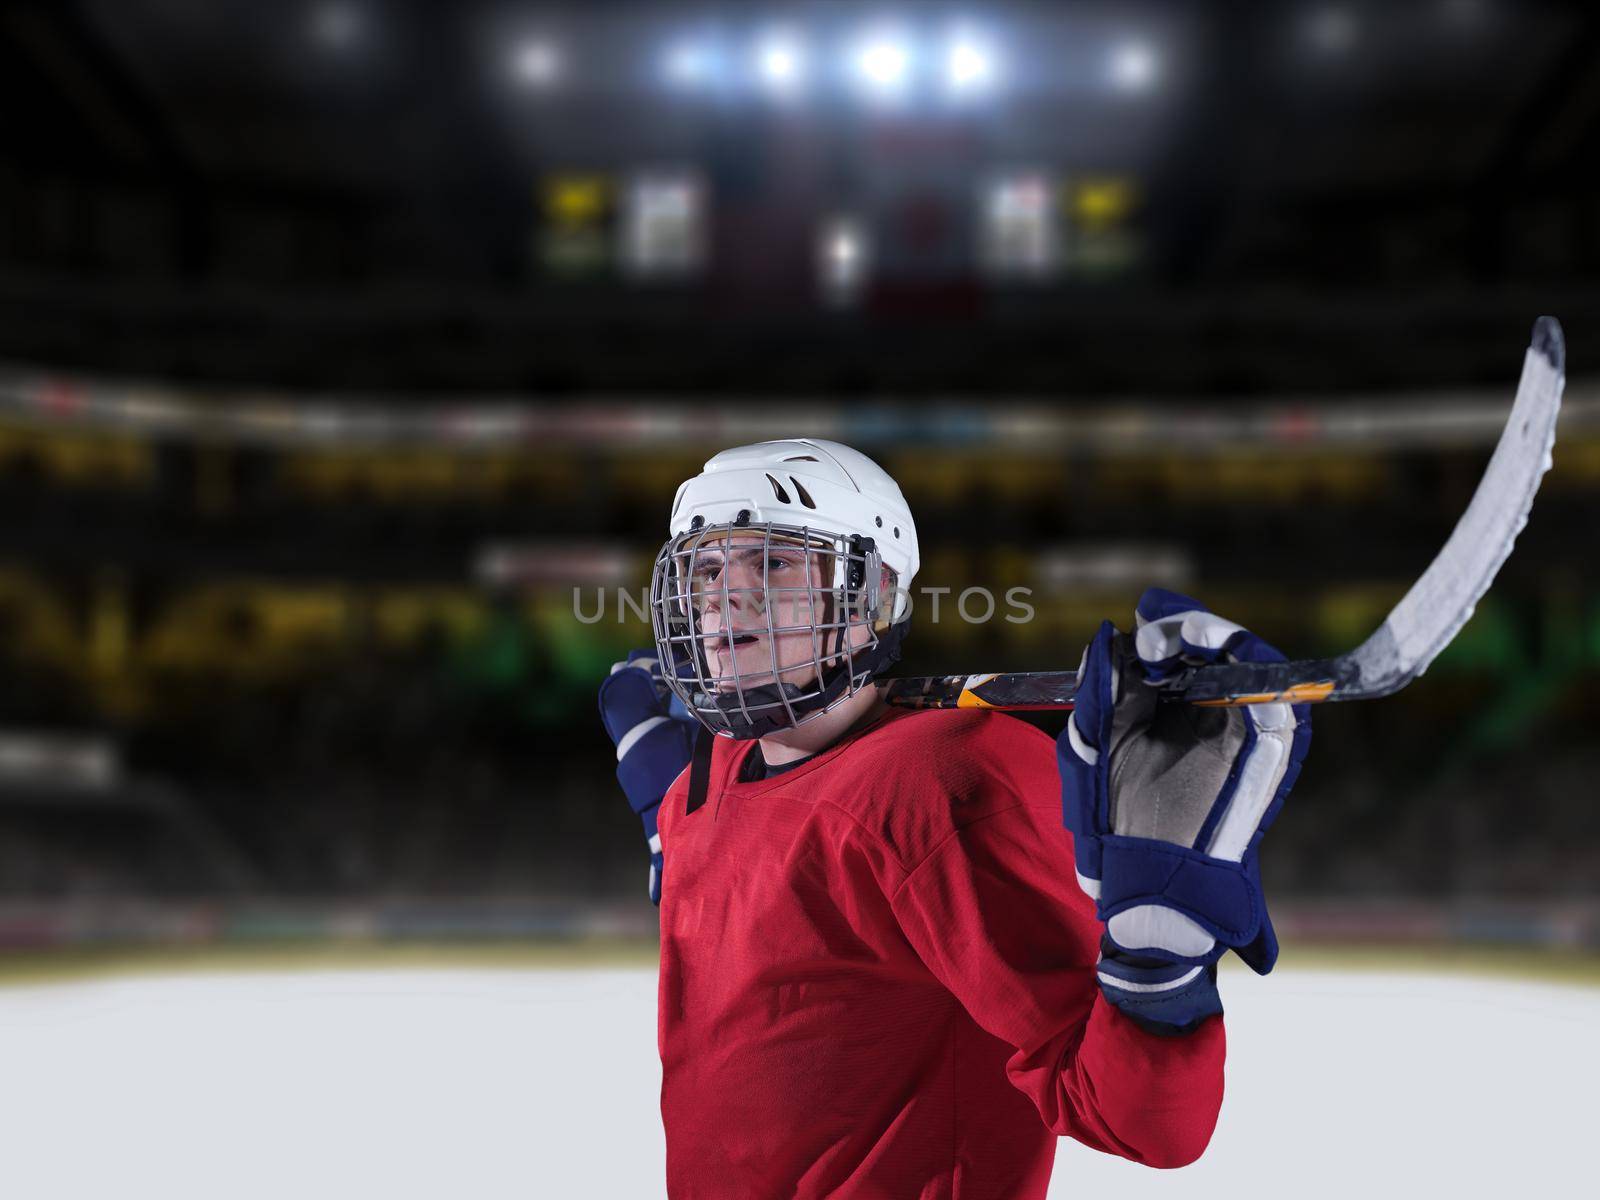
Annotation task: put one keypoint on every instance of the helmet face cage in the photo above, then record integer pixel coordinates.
(765, 588)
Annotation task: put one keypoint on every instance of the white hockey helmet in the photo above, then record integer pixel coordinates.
(820, 496)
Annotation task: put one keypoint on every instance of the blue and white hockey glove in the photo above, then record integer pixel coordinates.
(1168, 804)
(654, 735)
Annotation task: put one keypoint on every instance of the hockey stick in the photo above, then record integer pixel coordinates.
(1413, 634)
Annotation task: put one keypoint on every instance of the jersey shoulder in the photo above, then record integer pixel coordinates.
(921, 777)
(941, 740)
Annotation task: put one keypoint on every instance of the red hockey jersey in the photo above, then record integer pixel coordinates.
(877, 979)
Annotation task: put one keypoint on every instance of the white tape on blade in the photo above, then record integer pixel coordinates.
(1441, 601)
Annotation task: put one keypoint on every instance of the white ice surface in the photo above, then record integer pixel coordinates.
(465, 1084)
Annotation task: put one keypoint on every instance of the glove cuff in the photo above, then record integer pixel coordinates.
(1215, 893)
(1224, 898)
(1165, 998)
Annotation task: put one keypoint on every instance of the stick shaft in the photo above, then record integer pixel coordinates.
(1231, 685)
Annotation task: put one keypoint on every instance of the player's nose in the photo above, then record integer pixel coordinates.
(744, 583)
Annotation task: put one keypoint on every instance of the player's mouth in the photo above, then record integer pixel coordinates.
(720, 641)
(727, 648)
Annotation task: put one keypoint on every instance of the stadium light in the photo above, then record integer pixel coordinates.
(1134, 67)
(883, 64)
(844, 258)
(684, 64)
(781, 63)
(969, 66)
(688, 64)
(536, 63)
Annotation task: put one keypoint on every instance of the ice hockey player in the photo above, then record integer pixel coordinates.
(887, 969)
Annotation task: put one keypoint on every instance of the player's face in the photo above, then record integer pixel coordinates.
(760, 602)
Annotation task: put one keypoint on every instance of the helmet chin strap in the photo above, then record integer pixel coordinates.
(728, 711)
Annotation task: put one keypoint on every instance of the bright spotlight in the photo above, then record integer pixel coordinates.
(844, 259)
(536, 63)
(883, 64)
(1133, 67)
(781, 62)
(969, 66)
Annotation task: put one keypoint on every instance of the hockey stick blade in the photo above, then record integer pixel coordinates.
(1425, 621)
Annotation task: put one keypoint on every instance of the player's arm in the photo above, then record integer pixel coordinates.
(1114, 1009)
(654, 737)
(996, 915)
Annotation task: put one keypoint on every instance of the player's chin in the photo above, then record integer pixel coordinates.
(746, 666)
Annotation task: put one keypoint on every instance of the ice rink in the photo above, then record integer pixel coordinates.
(490, 1083)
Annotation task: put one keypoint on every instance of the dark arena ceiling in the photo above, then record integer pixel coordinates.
(424, 197)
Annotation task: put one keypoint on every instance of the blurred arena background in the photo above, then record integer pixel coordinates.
(351, 352)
